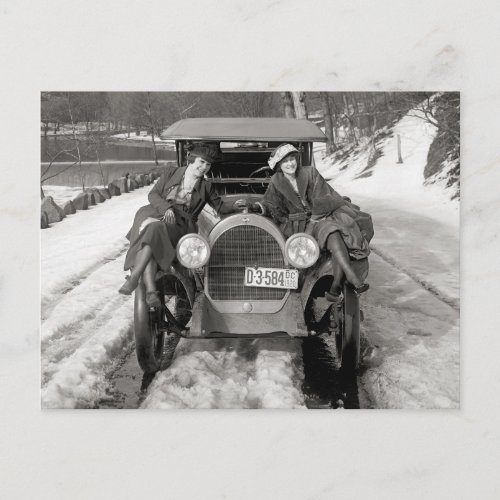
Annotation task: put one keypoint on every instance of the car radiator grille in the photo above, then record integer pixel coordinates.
(237, 248)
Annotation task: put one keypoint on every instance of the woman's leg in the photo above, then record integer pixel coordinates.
(339, 252)
(142, 259)
(338, 278)
(148, 278)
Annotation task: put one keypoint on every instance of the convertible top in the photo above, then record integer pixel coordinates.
(245, 129)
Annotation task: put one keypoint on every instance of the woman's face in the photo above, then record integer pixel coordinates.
(200, 167)
(288, 165)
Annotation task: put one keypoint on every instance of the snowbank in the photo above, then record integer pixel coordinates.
(86, 324)
(144, 137)
(230, 374)
(62, 194)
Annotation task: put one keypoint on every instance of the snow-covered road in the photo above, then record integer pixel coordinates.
(411, 328)
(87, 346)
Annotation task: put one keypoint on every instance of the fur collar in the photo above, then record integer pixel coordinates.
(283, 185)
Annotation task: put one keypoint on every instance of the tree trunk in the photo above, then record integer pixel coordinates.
(154, 147)
(400, 159)
(334, 115)
(348, 115)
(330, 145)
(287, 102)
(96, 145)
(374, 145)
(151, 122)
(70, 112)
(299, 104)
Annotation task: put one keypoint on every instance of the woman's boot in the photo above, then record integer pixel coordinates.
(338, 277)
(339, 252)
(148, 277)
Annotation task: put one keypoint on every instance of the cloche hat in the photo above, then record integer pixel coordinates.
(209, 151)
(279, 153)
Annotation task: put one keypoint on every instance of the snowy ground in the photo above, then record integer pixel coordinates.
(416, 363)
(144, 137)
(411, 310)
(62, 194)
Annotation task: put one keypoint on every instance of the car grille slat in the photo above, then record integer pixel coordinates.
(237, 248)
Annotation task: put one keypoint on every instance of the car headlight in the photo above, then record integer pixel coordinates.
(193, 251)
(301, 250)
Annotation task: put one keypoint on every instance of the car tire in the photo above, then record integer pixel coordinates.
(150, 324)
(348, 337)
(149, 337)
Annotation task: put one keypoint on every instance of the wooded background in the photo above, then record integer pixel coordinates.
(346, 116)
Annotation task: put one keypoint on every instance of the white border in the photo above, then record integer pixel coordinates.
(242, 45)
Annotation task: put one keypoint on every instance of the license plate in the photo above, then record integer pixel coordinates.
(271, 277)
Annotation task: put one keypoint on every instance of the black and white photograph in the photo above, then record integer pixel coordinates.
(250, 250)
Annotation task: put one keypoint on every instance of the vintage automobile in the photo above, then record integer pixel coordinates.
(239, 277)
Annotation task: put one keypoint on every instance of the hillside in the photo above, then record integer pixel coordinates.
(365, 171)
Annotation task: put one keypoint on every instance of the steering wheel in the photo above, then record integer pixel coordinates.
(266, 169)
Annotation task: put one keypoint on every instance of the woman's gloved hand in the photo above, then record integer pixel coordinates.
(240, 204)
(243, 204)
(256, 208)
(169, 216)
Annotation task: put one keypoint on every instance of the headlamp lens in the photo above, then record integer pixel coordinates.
(193, 251)
(301, 250)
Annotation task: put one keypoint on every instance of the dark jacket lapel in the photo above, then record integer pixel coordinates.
(175, 178)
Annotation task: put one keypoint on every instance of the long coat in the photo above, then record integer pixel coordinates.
(159, 235)
(318, 210)
(203, 193)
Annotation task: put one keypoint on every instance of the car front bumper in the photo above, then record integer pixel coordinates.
(208, 322)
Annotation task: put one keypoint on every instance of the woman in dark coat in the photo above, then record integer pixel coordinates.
(300, 200)
(176, 200)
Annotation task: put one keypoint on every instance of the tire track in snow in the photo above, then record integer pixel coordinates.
(84, 242)
(92, 313)
(81, 377)
(439, 294)
(58, 293)
(405, 369)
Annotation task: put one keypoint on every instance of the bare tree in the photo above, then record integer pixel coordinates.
(349, 116)
(77, 142)
(299, 104)
(95, 141)
(287, 103)
(152, 126)
(444, 116)
(327, 115)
